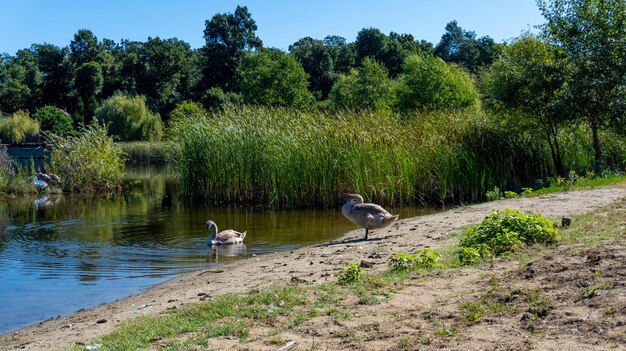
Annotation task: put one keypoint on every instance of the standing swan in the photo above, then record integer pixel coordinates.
(366, 215)
(225, 237)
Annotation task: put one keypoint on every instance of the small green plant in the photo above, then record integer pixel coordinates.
(424, 258)
(501, 232)
(526, 191)
(510, 195)
(351, 274)
(494, 194)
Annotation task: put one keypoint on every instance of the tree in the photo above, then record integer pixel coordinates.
(54, 120)
(366, 87)
(88, 84)
(20, 85)
(592, 35)
(85, 48)
(56, 70)
(428, 83)
(273, 78)
(318, 62)
(460, 46)
(161, 66)
(528, 77)
(227, 37)
(129, 119)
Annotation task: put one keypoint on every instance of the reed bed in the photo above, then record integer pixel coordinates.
(289, 159)
(148, 152)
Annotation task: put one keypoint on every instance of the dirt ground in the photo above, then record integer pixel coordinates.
(556, 320)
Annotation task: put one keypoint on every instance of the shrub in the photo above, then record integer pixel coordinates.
(424, 258)
(351, 274)
(429, 83)
(494, 194)
(18, 128)
(502, 231)
(129, 119)
(54, 120)
(88, 163)
(187, 109)
(510, 195)
(6, 167)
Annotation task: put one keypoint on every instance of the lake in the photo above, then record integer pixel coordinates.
(59, 254)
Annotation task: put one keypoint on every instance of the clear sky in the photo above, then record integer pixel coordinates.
(280, 22)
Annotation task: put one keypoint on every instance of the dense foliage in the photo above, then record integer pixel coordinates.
(54, 120)
(89, 162)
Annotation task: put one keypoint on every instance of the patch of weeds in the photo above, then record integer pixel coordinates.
(494, 194)
(424, 258)
(340, 314)
(340, 333)
(502, 232)
(592, 291)
(351, 274)
(510, 195)
(446, 331)
(403, 343)
(278, 341)
(424, 340)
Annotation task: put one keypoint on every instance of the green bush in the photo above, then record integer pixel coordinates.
(424, 258)
(503, 231)
(351, 274)
(129, 119)
(54, 120)
(429, 83)
(187, 109)
(510, 195)
(88, 163)
(494, 194)
(18, 128)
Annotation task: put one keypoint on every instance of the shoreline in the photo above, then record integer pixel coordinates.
(307, 265)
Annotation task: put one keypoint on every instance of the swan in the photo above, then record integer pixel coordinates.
(225, 237)
(366, 215)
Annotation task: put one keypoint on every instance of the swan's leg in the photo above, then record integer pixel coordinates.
(366, 232)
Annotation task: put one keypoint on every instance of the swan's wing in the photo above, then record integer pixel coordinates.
(373, 215)
(229, 235)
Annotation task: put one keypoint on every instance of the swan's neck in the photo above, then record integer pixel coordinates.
(213, 229)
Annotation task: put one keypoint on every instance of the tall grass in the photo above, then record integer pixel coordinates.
(289, 158)
(148, 152)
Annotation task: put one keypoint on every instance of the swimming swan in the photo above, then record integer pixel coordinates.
(225, 237)
(366, 215)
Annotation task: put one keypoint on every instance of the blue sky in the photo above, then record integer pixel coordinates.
(280, 22)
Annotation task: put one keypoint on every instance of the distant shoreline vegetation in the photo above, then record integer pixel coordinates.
(398, 119)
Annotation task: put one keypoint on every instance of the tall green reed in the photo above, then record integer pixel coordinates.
(289, 158)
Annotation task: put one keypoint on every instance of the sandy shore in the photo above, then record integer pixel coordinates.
(308, 265)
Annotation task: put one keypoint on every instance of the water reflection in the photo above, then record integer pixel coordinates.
(62, 253)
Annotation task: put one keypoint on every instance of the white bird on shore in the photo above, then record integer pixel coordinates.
(366, 215)
(225, 237)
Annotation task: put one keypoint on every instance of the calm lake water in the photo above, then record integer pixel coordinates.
(59, 254)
